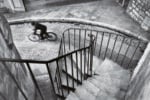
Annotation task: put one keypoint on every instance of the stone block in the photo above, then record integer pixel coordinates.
(146, 24)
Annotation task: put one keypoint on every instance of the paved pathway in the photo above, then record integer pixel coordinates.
(107, 11)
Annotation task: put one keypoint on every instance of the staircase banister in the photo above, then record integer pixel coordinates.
(77, 21)
(40, 61)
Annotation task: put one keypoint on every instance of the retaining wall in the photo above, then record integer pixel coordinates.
(139, 88)
(139, 10)
(8, 89)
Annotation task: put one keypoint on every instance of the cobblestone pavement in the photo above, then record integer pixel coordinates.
(107, 11)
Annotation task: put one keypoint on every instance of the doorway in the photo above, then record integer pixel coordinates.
(123, 3)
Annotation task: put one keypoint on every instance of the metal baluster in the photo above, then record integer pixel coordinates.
(81, 64)
(126, 51)
(60, 77)
(114, 46)
(107, 45)
(13, 78)
(72, 70)
(60, 47)
(50, 77)
(77, 65)
(57, 82)
(64, 44)
(66, 69)
(91, 52)
(69, 38)
(85, 38)
(120, 49)
(74, 39)
(79, 38)
(88, 62)
(134, 53)
(101, 44)
(95, 42)
(84, 62)
(34, 80)
(91, 58)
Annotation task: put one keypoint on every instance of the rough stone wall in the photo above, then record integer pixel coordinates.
(139, 88)
(139, 10)
(8, 89)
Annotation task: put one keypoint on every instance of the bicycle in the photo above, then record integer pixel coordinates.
(51, 36)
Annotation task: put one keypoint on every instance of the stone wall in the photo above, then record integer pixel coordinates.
(8, 89)
(139, 88)
(139, 10)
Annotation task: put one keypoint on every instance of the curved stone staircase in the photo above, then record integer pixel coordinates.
(109, 82)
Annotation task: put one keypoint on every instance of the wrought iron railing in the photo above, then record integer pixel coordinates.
(67, 61)
(78, 65)
(77, 50)
(59, 63)
(124, 49)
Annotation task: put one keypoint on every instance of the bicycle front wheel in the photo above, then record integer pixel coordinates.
(52, 36)
(34, 38)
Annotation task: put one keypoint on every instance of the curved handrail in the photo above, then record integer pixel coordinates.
(119, 34)
(78, 21)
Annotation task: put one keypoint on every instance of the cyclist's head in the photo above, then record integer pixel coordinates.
(33, 23)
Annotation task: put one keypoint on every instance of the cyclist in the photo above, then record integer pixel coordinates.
(41, 27)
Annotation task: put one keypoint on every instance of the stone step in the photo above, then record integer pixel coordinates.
(112, 71)
(108, 66)
(96, 62)
(90, 87)
(104, 96)
(84, 94)
(72, 96)
(61, 92)
(72, 83)
(117, 83)
(111, 68)
(120, 83)
(104, 87)
(75, 79)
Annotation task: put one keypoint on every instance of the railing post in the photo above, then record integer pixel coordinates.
(91, 52)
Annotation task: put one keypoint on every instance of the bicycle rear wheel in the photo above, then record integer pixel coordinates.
(33, 37)
(52, 36)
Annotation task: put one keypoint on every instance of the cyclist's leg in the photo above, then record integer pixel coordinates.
(42, 35)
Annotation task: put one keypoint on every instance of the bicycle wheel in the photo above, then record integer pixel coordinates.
(52, 36)
(33, 37)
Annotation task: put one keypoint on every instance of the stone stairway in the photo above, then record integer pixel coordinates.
(109, 82)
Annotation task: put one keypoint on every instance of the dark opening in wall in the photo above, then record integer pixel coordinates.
(123, 3)
(38, 4)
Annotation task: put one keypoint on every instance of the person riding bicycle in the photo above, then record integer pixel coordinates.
(41, 27)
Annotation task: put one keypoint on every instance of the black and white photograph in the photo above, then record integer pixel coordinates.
(74, 50)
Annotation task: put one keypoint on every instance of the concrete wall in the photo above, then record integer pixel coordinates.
(8, 89)
(139, 10)
(139, 88)
(11, 5)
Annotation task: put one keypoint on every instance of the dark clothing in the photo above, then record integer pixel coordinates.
(42, 28)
